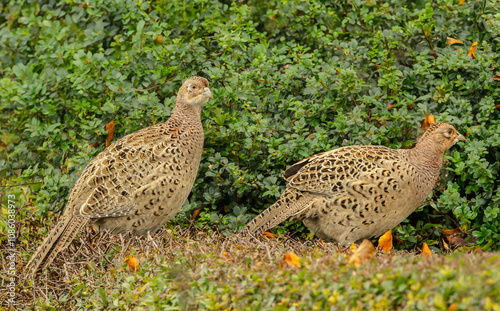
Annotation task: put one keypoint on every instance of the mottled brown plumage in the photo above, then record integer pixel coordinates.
(356, 192)
(138, 183)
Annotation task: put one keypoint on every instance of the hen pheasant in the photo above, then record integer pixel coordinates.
(356, 192)
(138, 183)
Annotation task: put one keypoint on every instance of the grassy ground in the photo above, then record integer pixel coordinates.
(190, 269)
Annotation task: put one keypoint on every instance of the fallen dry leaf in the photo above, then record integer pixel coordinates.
(450, 232)
(353, 248)
(456, 240)
(426, 251)
(453, 307)
(428, 121)
(385, 241)
(446, 246)
(453, 41)
(472, 50)
(496, 77)
(132, 263)
(226, 255)
(461, 2)
(365, 251)
(159, 38)
(292, 260)
(110, 127)
(268, 235)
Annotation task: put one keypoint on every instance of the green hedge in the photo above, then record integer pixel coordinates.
(290, 79)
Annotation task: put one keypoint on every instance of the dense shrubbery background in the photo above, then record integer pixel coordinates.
(290, 79)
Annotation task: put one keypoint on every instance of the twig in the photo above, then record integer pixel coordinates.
(429, 42)
(158, 85)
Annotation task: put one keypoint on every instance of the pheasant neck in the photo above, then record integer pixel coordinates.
(186, 113)
(427, 158)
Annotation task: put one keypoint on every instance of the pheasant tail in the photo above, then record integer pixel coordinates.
(58, 239)
(291, 205)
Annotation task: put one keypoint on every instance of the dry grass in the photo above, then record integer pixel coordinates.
(190, 268)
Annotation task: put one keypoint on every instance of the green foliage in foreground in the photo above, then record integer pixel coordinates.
(290, 79)
(206, 272)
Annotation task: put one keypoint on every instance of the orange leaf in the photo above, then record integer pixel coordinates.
(390, 106)
(450, 232)
(196, 213)
(226, 255)
(110, 127)
(365, 251)
(353, 248)
(132, 263)
(461, 2)
(446, 246)
(94, 145)
(426, 251)
(453, 307)
(292, 259)
(428, 121)
(496, 77)
(159, 38)
(453, 41)
(472, 50)
(268, 235)
(385, 241)
(431, 119)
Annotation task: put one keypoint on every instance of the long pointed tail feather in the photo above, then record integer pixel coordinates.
(58, 239)
(291, 204)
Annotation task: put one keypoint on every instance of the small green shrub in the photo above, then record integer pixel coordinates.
(290, 79)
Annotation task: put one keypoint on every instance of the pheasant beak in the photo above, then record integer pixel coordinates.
(459, 137)
(208, 93)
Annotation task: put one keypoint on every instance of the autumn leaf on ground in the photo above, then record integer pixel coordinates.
(385, 241)
(132, 263)
(426, 251)
(365, 251)
(428, 121)
(226, 255)
(472, 50)
(268, 235)
(456, 240)
(496, 78)
(453, 307)
(110, 127)
(291, 259)
(453, 41)
(353, 248)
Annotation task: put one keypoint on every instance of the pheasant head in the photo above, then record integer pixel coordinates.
(195, 92)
